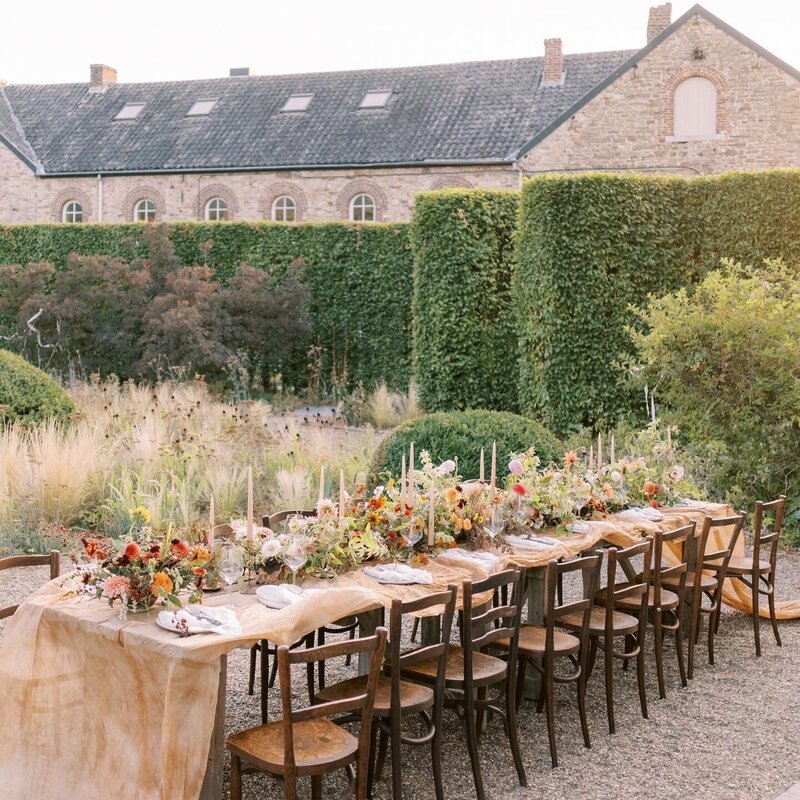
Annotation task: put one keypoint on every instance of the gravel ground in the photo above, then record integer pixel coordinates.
(729, 736)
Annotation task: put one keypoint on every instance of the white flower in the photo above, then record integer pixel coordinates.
(325, 508)
(271, 548)
(446, 467)
(515, 467)
(297, 524)
(676, 473)
(378, 491)
(616, 476)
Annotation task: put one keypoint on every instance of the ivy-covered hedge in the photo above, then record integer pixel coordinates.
(359, 277)
(591, 246)
(28, 395)
(464, 346)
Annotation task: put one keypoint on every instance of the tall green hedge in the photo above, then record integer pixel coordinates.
(464, 346)
(359, 276)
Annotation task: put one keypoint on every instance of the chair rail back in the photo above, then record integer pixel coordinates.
(639, 589)
(682, 537)
(760, 538)
(53, 559)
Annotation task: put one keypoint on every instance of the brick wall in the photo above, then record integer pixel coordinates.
(627, 125)
(17, 189)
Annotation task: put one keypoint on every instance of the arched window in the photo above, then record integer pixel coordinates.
(216, 210)
(362, 208)
(144, 211)
(72, 212)
(283, 209)
(695, 109)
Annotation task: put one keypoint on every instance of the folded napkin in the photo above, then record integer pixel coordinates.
(489, 559)
(653, 514)
(279, 595)
(201, 619)
(523, 543)
(398, 573)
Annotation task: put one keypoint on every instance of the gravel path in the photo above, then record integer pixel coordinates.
(699, 743)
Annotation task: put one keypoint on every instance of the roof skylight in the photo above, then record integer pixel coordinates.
(202, 108)
(376, 98)
(129, 111)
(297, 102)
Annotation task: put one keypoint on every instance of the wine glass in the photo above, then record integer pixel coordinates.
(522, 517)
(231, 563)
(494, 524)
(295, 553)
(413, 538)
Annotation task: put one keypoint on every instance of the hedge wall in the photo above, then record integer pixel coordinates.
(590, 246)
(464, 345)
(359, 276)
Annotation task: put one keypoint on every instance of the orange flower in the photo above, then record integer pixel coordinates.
(201, 554)
(650, 488)
(608, 490)
(467, 524)
(451, 495)
(570, 458)
(199, 571)
(161, 582)
(179, 549)
(654, 503)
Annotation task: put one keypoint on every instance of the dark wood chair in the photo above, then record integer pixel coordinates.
(304, 742)
(666, 606)
(754, 572)
(52, 559)
(607, 624)
(471, 671)
(540, 646)
(397, 699)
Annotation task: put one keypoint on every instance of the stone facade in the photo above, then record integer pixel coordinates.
(628, 126)
(318, 195)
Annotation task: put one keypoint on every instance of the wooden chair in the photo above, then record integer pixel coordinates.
(540, 646)
(52, 559)
(305, 742)
(471, 671)
(397, 699)
(710, 585)
(666, 606)
(608, 624)
(753, 572)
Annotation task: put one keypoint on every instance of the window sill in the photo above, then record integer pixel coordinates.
(715, 137)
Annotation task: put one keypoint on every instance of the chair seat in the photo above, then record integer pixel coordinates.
(739, 565)
(668, 599)
(622, 624)
(532, 641)
(485, 669)
(707, 582)
(319, 746)
(414, 697)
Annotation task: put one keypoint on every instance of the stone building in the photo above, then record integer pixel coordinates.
(698, 98)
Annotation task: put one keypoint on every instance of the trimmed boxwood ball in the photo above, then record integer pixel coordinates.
(28, 395)
(460, 435)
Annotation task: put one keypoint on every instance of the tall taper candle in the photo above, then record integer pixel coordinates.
(211, 522)
(321, 483)
(591, 457)
(493, 478)
(431, 506)
(411, 485)
(613, 450)
(403, 484)
(599, 450)
(250, 532)
(482, 475)
(341, 494)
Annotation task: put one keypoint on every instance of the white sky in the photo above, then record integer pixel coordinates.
(54, 41)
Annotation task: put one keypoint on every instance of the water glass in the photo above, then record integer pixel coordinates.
(231, 563)
(295, 553)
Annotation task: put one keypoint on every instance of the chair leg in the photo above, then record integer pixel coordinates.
(383, 746)
(265, 685)
(592, 656)
(479, 712)
(397, 757)
(273, 673)
(472, 743)
(519, 689)
(513, 735)
(547, 688)
(756, 632)
(236, 778)
(694, 626)
(251, 683)
(436, 760)
(658, 645)
(415, 629)
(373, 747)
(349, 659)
(711, 621)
(321, 664)
(640, 672)
(679, 651)
(316, 787)
(772, 617)
(581, 686)
(608, 659)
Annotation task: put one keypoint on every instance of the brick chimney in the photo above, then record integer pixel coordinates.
(101, 77)
(553, 63)
(660, 18)
(239, 72)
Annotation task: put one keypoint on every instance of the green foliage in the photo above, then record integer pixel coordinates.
(460, 435)
(464, 345)
(725, 360)
(358, 278)
(28, 395)
(591, 248)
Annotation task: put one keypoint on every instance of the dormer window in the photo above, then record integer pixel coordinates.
(202, 108)
(376, 98)
(129, 111)
(298, 102)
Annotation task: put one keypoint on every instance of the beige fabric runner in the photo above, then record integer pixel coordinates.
(97, 708)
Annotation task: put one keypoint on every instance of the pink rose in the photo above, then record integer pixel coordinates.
(515, 467)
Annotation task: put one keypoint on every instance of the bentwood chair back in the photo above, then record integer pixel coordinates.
(52, 559)
(304, 741)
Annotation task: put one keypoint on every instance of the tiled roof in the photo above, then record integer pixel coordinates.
(11, 133)
(470, 112)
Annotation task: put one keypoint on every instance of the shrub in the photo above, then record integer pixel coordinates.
(725, 361)
(28, 395)
(464, 344)
(461, 435)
